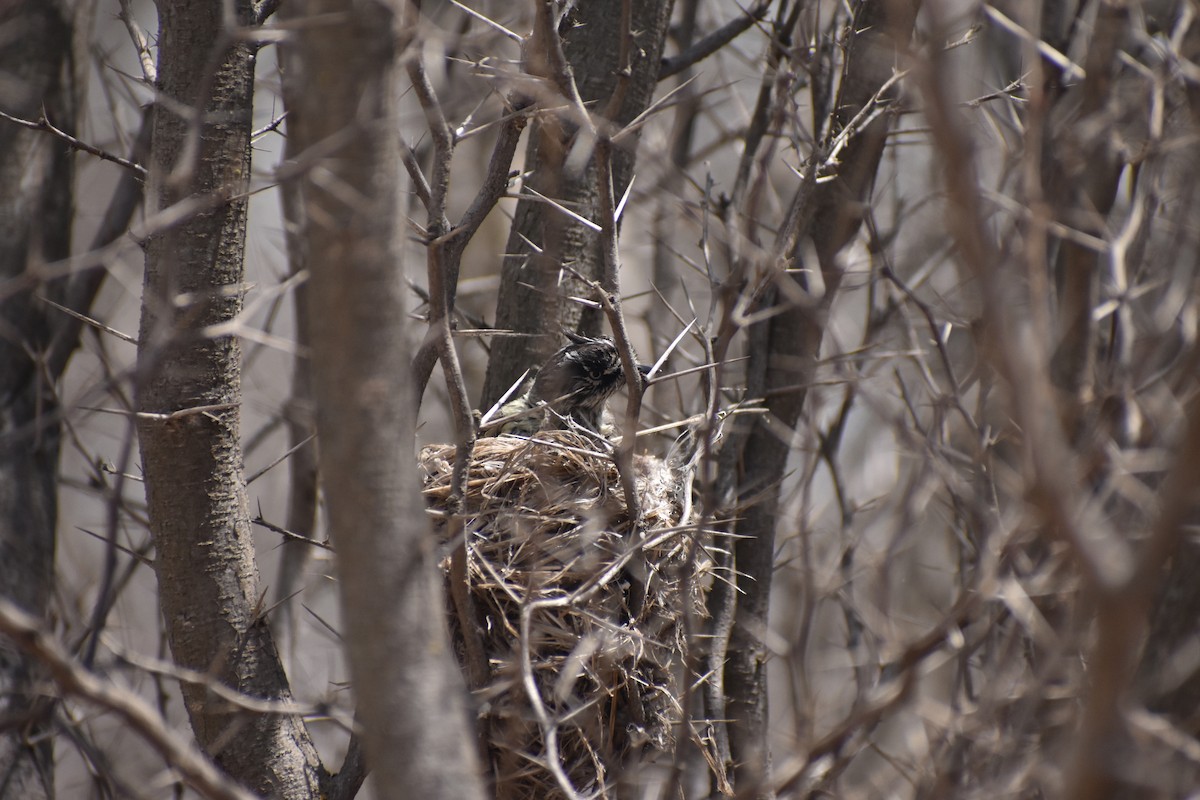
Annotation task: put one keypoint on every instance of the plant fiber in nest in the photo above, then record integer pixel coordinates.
(583, 623)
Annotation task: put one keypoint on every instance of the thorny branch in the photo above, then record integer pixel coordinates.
(940, 429)
(44, 124)
(610, 298)
(442, 274)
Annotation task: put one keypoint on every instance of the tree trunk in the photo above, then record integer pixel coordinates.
(410, 696)
(189, 395)
(303, 484)
(783, 356)
(532, 299)
(35, 225)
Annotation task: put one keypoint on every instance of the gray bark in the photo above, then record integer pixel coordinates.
(35, 224)
(410, 695)
(530, 299)
(300, 413)
(783, 357)
(188, 397)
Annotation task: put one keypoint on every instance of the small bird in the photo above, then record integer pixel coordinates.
(573, 385)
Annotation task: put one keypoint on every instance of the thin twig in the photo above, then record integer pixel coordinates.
(291, 535)
(270, 127)
(442, 263)
(105, 596)
(713, 42)
(491, 23)
(97, 324)
(251, 479)
(44, 124)
(141, 43)
(195, 770)
(610, 297)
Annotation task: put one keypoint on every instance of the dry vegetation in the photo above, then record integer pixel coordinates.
(944, 256)
(585, 625)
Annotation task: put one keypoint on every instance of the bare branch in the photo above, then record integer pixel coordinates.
(610, 294)
(714, 41)
(43, 124)
(192, 766)
(141, 43)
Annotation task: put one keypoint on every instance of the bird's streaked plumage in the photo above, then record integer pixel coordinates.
(574, 385)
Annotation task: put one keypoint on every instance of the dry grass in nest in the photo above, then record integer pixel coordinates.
(582, 630)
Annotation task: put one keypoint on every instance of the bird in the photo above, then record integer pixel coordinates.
(571, 388)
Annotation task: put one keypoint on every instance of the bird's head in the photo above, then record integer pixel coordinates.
(580, 377)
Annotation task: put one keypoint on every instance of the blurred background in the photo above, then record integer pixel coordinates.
(986, 444)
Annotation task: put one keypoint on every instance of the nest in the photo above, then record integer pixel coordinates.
(581, 621)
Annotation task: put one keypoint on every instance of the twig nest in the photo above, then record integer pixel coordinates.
(582, 619)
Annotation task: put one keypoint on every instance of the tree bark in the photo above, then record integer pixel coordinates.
(783, 357)
(410, 696)
(189, 394)
(531, 298)
(303, 486)
(35, 225)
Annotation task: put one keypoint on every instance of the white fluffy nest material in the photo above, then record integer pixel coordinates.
(583, 628)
